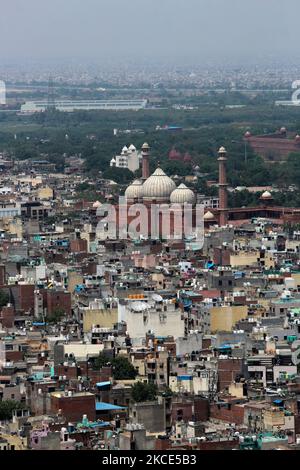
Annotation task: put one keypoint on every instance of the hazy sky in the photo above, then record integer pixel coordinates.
(218, 30)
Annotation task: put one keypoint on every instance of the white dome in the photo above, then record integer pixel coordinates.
(97, 204)
(124, 150)
(132, 148)
(135, 190)
(266, 195)
(158, 186)
(208, 216)
(182, 194)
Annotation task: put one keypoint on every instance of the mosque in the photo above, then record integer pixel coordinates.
(159, 188)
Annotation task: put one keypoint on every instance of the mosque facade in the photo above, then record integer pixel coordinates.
(158, 189)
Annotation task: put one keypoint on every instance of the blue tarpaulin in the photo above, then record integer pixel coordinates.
(101, 406)
(103, 384)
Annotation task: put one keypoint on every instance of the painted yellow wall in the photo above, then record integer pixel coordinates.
(236, 390)
(297, 278)
(249, 259)
(224, 318)
(74, 279)
(45, 193)
(104, 318)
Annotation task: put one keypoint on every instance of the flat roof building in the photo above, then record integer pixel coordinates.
(85, 105)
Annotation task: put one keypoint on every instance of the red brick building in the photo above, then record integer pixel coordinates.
(57, 300)
(274, 147)
(229, 444)
(74, 405)
(227, 411)
(78, 245)
(21, 296)
(228, 369)
(7, 316)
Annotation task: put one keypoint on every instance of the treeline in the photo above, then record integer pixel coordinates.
(54, 135)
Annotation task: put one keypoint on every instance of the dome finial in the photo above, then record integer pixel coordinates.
(145, 147)
(222, 150)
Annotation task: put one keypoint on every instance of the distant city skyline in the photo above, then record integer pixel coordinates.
(170, 31)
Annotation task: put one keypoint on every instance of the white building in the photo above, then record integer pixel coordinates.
(129, 158)
(84, 105)
(9, 209)
(161, 317)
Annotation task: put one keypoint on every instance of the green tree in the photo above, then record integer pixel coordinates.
(7, 407)
(82, 187)
(101, 361)
(4, 298)
(143, 392)
(56, 315)
(123, 369)
(119, 175)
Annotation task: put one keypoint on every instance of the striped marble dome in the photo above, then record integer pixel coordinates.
(182, 194)
(135, 190)
(158, 186)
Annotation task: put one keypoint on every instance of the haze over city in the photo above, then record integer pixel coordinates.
(178, 31)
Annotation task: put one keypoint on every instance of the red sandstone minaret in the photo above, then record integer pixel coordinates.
(145, 161)
(222, 186)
